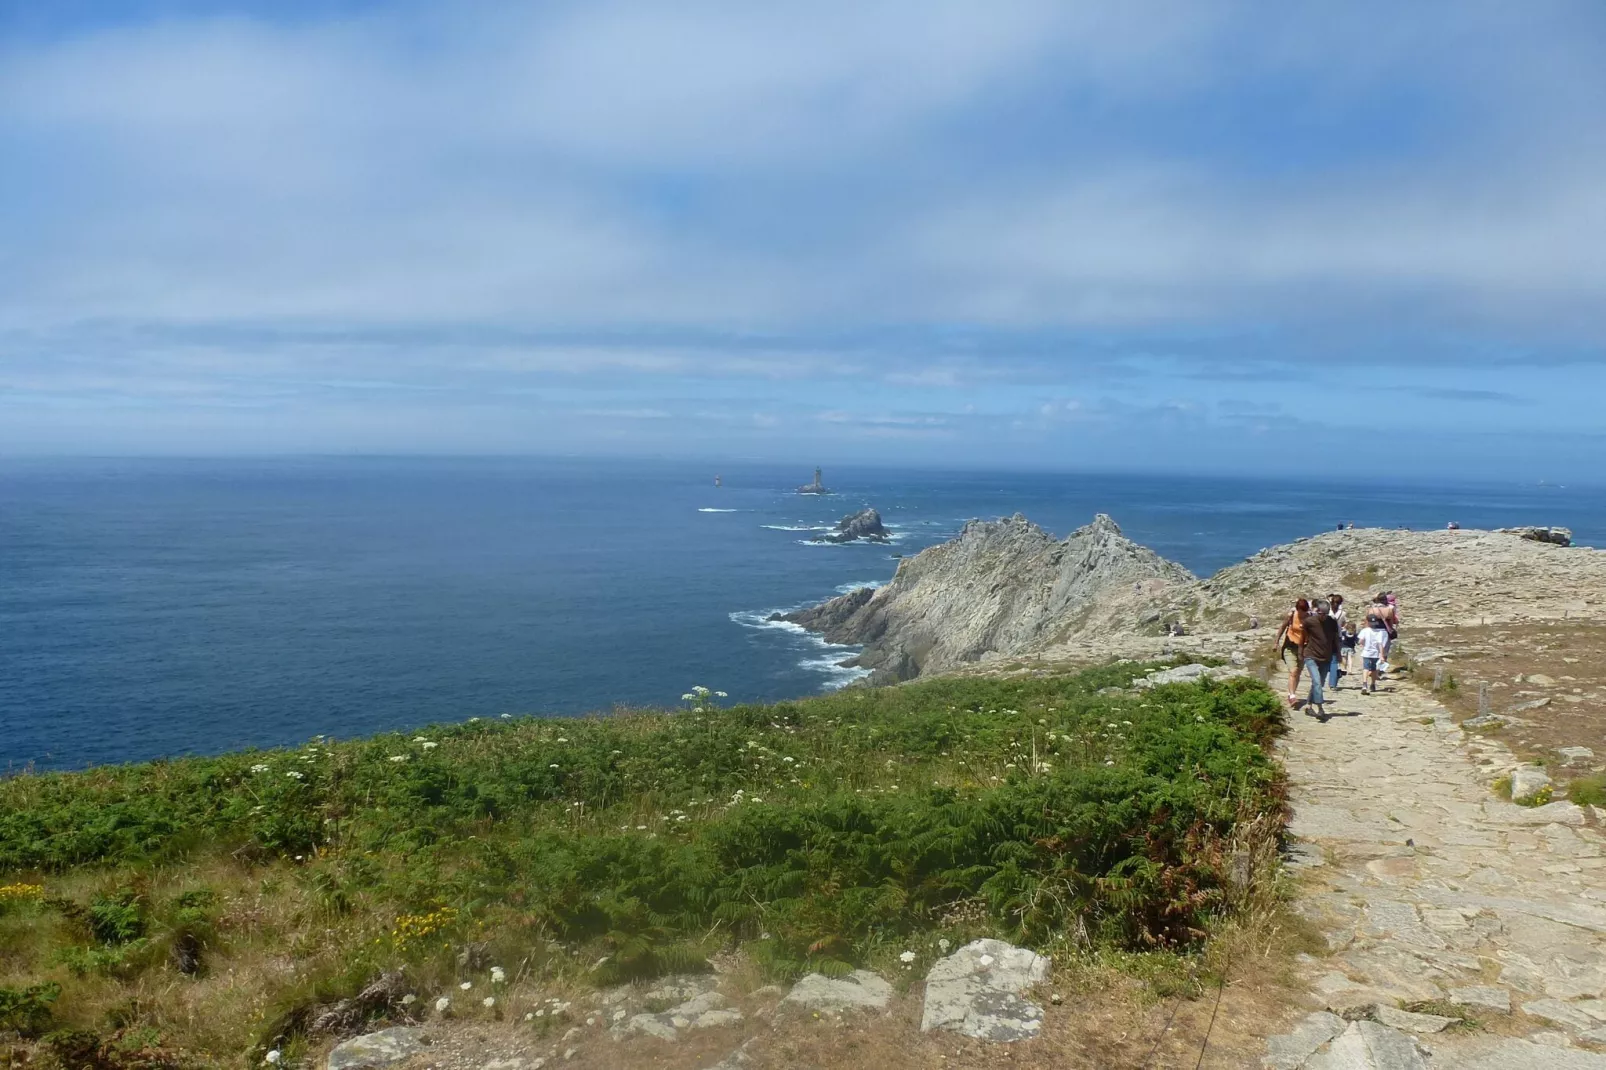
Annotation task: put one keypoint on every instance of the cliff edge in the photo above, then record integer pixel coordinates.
(999, 587)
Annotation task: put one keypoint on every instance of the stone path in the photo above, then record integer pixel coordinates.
(1432, 890)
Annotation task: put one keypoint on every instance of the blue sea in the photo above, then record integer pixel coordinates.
(152, 608)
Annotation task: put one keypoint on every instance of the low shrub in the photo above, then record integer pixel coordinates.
(812, 833)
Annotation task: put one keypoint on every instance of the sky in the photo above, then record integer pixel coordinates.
(1364, 238)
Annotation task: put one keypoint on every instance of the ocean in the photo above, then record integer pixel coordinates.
(155, 608)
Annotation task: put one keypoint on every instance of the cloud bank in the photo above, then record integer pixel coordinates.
(234, 227)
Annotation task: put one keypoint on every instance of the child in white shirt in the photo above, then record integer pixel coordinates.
(1373, 643)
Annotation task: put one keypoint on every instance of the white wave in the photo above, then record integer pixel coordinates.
(718, 510)
(838, 675)
(824, 657)
(849, 588)
(795, 527)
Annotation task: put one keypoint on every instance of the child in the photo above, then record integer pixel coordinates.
(1349, 641)
(1373, 642)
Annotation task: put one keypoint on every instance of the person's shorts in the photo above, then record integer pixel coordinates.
(1370, 664)
(1290, 648)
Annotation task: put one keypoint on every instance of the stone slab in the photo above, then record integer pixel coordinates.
(378, 1049)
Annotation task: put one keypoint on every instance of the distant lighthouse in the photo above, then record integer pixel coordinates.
(817, 487)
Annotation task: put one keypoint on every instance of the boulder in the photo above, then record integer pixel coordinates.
(859, 990)
(975, 991)
(1554, 536)
(863, 526)
(1411, 1022)
(377, 1049)
(1576, 754)
(1527, 781)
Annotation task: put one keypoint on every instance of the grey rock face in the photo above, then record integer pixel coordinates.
(1576, 754)
(863, 526)
(975, 990)
(1411, 1022)
(1000, 587)
(1509, 1054)
(1527, 781)
(1554, 536)
(859, 990)
(1483, 998)
(1289, 1051)
(383, 1048)
(1369, 1046)
(1186, 674)
(704, 1010)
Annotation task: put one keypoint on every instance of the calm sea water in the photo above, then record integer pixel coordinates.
(159, 608)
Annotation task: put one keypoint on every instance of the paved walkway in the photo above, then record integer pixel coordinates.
(1431, 890)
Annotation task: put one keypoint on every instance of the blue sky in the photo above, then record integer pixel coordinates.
(1151, 235)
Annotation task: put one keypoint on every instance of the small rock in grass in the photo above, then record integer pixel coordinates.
(373, 1050)
(974, 992)
(1527, 781)
(859, 990)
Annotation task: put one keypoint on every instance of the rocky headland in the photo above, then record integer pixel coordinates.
(1007, 589)
(1000, 587)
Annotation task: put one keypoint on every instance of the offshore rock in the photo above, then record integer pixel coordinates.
(975, 990)
(1001, 587)
(863, 526)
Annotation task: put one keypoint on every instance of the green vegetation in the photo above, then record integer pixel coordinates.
(1588, 790)
(815, 834)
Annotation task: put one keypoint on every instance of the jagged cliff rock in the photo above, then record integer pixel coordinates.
(863, 526)
(1001, 587)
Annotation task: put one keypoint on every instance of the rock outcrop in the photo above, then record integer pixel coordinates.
(1001, 587)
(1554, 536)
(976, 991)
(863, 526)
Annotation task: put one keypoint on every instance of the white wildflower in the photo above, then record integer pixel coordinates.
(429, 744)
(442, 1005)
(507, 717)
(498, 975)
(943, 945)
(398, 757)
(420, 739)
(554, 765)
(409, 999)
(272, 1058)
(466, 985)
(720, 694)
(471, 720)
(488, 1002)
(907, 956)
(259, 768)
(688, 697)
(296, 776)
(563, 739)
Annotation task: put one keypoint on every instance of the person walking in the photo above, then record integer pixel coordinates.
(1333, 673)
(1290, 636)
(1320, 646)
(1373, 642)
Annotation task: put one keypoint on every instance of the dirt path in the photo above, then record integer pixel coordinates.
(1432, 892)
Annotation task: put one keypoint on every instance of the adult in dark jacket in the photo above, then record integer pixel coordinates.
(1318, 648)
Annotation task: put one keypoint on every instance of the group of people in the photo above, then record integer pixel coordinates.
(1324, 642)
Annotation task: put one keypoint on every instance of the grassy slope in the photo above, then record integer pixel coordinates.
(811, 834)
